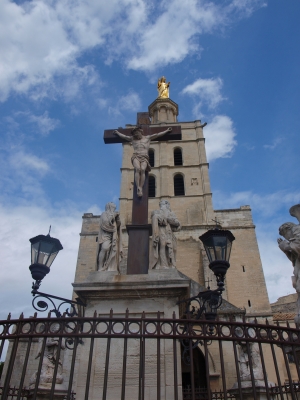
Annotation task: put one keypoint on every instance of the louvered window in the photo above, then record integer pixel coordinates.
(178, 185)
(151, 157)
(151, 186)
(177, 156)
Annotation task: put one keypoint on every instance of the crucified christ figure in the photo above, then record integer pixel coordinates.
(140, 157)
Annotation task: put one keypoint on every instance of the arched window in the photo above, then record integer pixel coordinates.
(151, 186)
(151, 157)
(178, 185)
(177, 156)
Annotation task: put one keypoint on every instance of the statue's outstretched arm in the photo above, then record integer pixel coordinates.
(156, 135)
(125, 137)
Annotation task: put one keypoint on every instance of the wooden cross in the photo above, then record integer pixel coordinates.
(139, 231)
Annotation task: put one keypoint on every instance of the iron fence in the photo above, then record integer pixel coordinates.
(124, 357)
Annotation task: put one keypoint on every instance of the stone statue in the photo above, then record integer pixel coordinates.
(110, 240)
(163, 88)
(244, 362)
(49, 360)
(164, 243)
(140, 157)
(291, 248)
(243, 358)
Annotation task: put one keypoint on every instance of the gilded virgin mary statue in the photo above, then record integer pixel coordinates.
(163, 88)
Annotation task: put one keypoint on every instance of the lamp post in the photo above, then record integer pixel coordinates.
(44, 249)
(217, 244)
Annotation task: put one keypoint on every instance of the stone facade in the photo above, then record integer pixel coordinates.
(245, 283)
(245, 294)
(285, 308)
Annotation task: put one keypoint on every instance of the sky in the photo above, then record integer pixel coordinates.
(71, 68)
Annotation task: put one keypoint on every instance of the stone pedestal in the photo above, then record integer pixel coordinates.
(149, 293)
(247, 390)
(44, 394)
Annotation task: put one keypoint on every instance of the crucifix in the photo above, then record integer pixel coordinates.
(139, 231)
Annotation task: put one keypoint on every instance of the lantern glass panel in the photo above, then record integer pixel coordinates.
(209, 248)
(220, 244)
(34, 252)
(43, 253)
(229, 244)
(51, 259)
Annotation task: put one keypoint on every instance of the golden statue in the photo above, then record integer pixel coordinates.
(163, 88)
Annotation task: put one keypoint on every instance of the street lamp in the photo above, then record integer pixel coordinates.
(217, 244)
(44, 249)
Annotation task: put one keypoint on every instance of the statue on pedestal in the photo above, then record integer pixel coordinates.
(243, 357)
(140, 157)
(49, 360)
(163, 88)
(291, 248)
(164, 243)
(110, 240)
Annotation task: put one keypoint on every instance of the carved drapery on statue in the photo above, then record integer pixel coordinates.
(164, 242)
(249, 361)
(53, 351)
(110, 240)
(291, 248)
(163, 88)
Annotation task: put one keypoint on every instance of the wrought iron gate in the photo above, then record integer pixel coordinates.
(113, 357)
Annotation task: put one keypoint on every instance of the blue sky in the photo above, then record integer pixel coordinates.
(70, 69)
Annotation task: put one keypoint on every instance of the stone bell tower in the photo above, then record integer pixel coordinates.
(179, 168)
(180, 174)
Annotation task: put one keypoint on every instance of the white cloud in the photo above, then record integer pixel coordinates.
(267, 204)
(277, 268)
(44, 123)
(275, 143)
(177, 23)
(219, 138)
(42, 42)
(22, 161)
(129, 102)
(22, 173)
(207, 91)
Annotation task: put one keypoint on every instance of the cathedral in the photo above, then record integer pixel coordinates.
(180, 174)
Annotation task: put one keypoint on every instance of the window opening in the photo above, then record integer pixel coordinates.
(151, 157)
(177, 157)
(179, 185)
(151, 186)
(249, 303)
